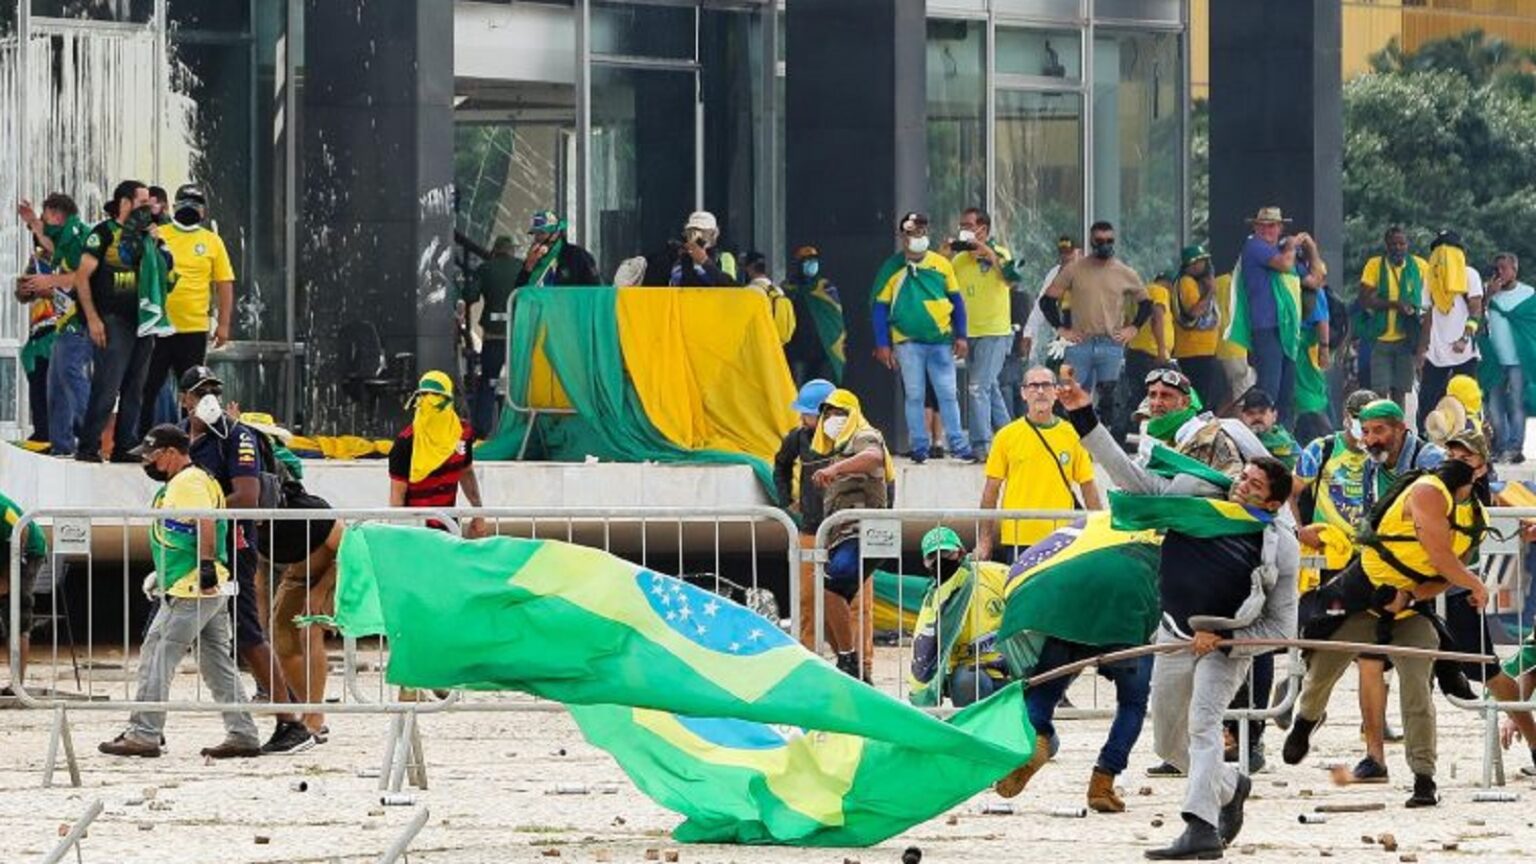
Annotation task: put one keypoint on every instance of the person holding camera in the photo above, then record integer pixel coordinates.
(108, 283)
(191, 561)
(985, 270)
(699, 263)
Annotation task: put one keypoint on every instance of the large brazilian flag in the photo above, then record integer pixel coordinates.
(711, 710)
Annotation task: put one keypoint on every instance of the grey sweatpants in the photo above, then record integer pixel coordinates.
(1189, 696)
(179, 623)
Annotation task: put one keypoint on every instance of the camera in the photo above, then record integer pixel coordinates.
(962, 245)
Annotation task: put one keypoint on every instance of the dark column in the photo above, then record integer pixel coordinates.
(856, 155)
(376, 234)
(1276, 121)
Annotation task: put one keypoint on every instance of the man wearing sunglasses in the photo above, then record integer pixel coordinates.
(1175, 420)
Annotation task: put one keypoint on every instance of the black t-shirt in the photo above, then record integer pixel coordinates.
(1206, 577)
(114, 285)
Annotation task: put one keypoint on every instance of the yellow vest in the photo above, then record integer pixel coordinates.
(1396, 534)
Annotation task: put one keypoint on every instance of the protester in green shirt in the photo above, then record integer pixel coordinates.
(1259, 414)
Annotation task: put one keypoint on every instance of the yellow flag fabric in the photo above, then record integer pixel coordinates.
(1447, 276)
(339, 446)
(544, 389)
(708, 366)
(437, 430)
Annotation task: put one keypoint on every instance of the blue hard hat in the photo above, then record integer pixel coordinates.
(812, 394)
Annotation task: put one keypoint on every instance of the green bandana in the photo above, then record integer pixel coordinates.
(1163, 428)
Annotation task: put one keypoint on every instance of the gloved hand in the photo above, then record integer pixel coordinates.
(151, 586)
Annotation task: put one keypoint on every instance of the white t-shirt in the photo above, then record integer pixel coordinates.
(1445, 329)
(1037, 328)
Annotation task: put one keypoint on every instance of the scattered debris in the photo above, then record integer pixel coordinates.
(1367, 839)
(551, 852)
(150, 792)
(912, 855)
(997, 808)
(1407, 858)
(653, 854)
(952, 819)
(1365, 807)
(146, 826)
(262, 839)
(1388, 842)
(1450, 846)
(669, 855)
(1312, 819)
(619, 820)
(1144, 791)
(1070, 812)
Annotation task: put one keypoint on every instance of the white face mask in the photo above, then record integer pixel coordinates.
(208, 409)
(967, 236)
(917, 245)
(1356, 429)
(833, 426)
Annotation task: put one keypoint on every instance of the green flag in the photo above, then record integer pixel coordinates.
(1522, 325)
(1167, 462)
(153, 281)
(1186, 514)
(690, 692)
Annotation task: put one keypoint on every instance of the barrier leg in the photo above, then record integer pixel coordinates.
(408, 759)
(1243, 734)
(416, 763)
(1493, 755)
(61, 734)
(75, 835)
(403, 839)
(391, 741)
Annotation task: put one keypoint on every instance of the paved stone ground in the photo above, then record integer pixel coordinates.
(493, 779)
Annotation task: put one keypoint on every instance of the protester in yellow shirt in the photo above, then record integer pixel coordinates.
(200, 265)
(1147, 350)
(1197, 326)
(984, 268)
(1391, 291)
(1037, 463)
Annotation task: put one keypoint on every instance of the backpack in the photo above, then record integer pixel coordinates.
(287, 541)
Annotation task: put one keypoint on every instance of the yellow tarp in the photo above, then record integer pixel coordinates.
(1226, 349)
(708, 366)
(544, 390)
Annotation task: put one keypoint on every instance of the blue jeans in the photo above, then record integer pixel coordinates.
(1275, 372)
(967, 684)
(989, 409)
(118, 379)
(922, 364)
(1133, 686)
(1095, 360)
(1506, 410)
(69, 387)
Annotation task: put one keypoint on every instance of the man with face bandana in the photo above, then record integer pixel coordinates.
(954, 645)
(202, 273)
(433, 457)
(1428, 529)
(1100, 289)
(920, 327)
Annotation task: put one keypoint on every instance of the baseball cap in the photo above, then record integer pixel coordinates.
(190, 192)
(703, 220)
(545, 222)
(435, 382)
(1471, 439)
(1255, 399)
(1192, 253)
(196, 377)
(941, 539)
(912, 219)
(160, 437)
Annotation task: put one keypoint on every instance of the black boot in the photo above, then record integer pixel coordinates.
(1299, 740)
(1199, 842)
(1231, 819)
(1424, 792)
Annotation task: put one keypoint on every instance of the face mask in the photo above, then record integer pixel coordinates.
(1104, 250)
(917, 245)
(155, 473)
(946, 568)
(1356, 430)
(811, 268)
(966, 236)
(208, 409)
(1455, 474)
(189, 216)
(833, 426)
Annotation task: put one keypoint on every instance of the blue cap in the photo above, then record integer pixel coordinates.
(812, 394)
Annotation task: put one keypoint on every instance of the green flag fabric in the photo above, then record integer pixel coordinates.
(153, 282)
(1287, 290)
(1167, 462)
(1522, 324)
(1186, 514)
(826, 310)
(1311, 382)
(1371, 324)
(710, 709)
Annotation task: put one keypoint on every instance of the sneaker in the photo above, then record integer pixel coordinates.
(1424, 792)
(232, 748)
(966, 458)
(123, 458)
(83, 456)
(1164, 769)
(322, 735)
(122, 745)
(1369, 771)
(1299, 740)
(938, 451)
(290, 736)
(1256, 760)
(918, 457)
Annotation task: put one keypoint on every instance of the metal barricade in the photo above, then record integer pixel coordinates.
(889, 534)
(703, 542)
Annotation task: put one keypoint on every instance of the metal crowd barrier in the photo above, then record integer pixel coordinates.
(90, 542)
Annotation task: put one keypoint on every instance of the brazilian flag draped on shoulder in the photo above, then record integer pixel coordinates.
(919, 297)
(826, 311)
(1522, 325)
(139, 250)
(709, 708)
(1372, 324)
(1287, 291)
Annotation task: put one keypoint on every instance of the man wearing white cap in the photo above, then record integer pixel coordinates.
(699, 263)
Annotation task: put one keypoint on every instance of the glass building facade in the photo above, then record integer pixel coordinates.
(622, 115)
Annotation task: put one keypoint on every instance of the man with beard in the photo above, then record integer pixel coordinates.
(1258, 412)
(1422, 533)
(1392, 448)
